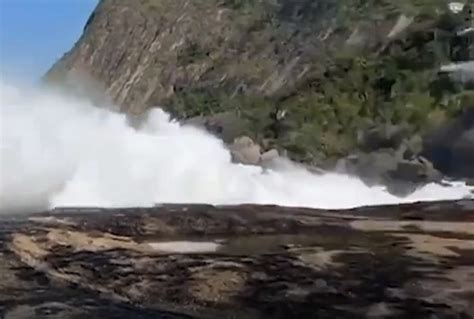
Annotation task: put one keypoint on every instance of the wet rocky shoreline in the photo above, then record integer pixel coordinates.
(247, 261)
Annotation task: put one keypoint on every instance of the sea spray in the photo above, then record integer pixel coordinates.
(58, 150)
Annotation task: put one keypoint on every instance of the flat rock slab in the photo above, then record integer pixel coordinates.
(248, 261)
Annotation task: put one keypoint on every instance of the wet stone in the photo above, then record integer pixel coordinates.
(241, 262)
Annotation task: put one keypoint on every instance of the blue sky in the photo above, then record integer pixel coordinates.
(36, 33)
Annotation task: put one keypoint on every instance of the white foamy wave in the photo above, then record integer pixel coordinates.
(60, 151)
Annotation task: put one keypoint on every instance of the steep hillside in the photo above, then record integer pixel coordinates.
(305, 76)
(148, 51)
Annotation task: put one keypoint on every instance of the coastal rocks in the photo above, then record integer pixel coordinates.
(401, 261)
(409, 174)
(417, 170)
(245, 151)
(390, 156)
(451, 147)
(269, 156)
(387, 167)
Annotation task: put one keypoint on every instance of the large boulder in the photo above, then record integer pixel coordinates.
(417, 170)
(245, 151)
(451, 147)
(401, 176)
(267, 158)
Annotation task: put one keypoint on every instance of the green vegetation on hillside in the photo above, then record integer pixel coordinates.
(307, 76)
(394, 81)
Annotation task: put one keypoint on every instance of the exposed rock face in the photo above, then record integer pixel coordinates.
(147, 51)
(241, 262)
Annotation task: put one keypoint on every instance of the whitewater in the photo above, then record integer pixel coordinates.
(59, 150)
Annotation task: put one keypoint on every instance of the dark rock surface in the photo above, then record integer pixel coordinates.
(388, 167)
(407, 261)
(451, 147)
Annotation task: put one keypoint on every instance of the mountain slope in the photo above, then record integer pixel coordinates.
(148, 51)
(306, 76)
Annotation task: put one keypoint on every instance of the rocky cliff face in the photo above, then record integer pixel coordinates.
(147, 52)
(308, 77)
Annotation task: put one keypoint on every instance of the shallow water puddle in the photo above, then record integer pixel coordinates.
(185, 246)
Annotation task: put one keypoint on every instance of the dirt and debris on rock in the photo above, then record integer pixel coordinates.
(248, 261)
